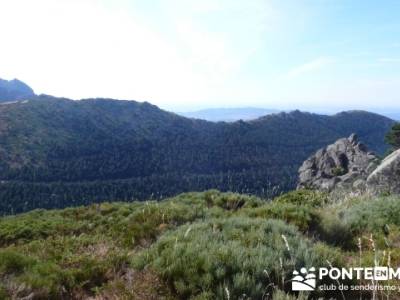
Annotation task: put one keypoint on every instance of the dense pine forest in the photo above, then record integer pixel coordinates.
(57, 152)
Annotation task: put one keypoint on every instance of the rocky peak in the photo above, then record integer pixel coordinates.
(12, 90)
(347, 162)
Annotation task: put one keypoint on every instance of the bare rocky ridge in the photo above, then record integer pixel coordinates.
(346, 163)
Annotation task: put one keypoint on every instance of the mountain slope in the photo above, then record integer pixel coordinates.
(12, 90)
(58, 152)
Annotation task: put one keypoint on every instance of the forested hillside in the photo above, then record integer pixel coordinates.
(58, 152)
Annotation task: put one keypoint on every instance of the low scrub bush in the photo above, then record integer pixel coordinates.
(304, 217)
(36, 225)
(334, 231)
(303, 197)
(239, 256)
(372, 214)
(14, 262)
(193, 246)
(47, 279)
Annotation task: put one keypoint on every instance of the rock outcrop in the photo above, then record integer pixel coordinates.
(346, 163)
(385, 179)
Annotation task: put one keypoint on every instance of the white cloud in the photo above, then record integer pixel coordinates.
(311, 66)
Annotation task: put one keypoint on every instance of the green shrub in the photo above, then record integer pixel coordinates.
(144, 224)
(334, 231)
(90, 272)
(303, 197)
(232, 201)
(393, 136)
(36, 225)
(342, 225)
(14, 262)
(240, 255)
(304, 217)
(372, 214)
(47, 279)
(227, 201)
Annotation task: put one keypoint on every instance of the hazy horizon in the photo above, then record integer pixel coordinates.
(190, 55)
(391, 112)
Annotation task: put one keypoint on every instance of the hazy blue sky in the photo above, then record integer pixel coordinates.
(189, 54)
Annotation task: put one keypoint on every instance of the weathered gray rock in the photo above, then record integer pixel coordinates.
(386, 177)
(346, 163)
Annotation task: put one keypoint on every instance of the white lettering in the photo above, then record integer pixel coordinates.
(323, 272)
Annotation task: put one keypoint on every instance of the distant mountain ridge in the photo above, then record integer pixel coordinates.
(392, 115)
(13, 90)
(57, 152)
(252, 113)
(229, 114)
